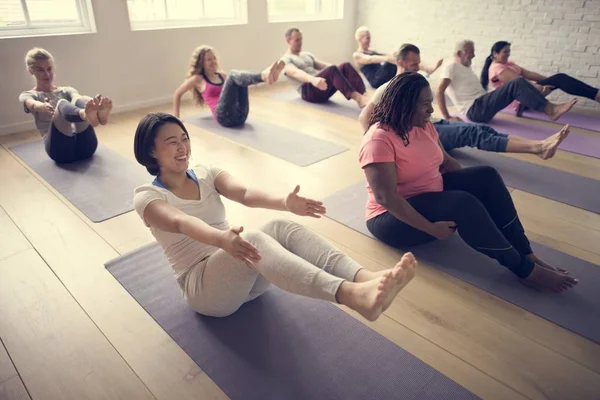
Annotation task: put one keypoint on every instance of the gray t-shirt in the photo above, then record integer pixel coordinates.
(43, 119)
(304, 61)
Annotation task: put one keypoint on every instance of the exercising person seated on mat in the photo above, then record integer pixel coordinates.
(219, 267)
(225, 94)
(498, 70)
(317, 81)
(454, 134)
(64, 118)
(472, 100)
(418, 193)
(377, 67)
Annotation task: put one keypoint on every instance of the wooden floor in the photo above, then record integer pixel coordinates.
(68, 330)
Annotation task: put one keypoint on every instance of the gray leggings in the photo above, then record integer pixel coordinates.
(233, 106)
(293, 258)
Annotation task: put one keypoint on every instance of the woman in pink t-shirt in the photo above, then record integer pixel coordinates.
(498, 70)
(418, 193)
(225, 95)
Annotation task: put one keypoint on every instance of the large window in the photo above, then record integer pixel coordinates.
(160, 14)
(304, 10)
(45, 17)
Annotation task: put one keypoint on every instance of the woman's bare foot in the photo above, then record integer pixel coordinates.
(373, 297)
(104, 111)
(557, 110)
(549, 280)
(549, 146)
(271, 74)
(90, 112)
(544, 264)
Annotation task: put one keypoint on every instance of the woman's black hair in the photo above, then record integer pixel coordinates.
(145, 134)
(399, 102)
(485, 72)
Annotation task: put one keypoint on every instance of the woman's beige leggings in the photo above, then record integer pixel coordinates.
(293, 258)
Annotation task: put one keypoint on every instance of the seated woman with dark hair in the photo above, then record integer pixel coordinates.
(418, 193)
(220, 267)
(498, 70)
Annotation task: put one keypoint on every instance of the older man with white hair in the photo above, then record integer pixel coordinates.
(471, 99)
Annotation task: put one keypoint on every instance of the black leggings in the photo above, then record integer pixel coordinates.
(570, 85)
(378, 74)
(68, 147)
(478, 201)
(233, 106)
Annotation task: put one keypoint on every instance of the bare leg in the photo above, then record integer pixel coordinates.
(545, 149)
(373, 297)
(360, 99)
(555, 111)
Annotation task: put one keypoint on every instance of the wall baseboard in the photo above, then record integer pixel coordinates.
(29, 125)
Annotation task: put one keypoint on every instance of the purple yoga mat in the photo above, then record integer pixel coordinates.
(574, 143)
(101, 187)
(281, 346)
(591, 122)
(575, 190)
(576, 310)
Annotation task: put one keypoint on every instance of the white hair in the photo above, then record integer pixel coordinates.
(460, 46)
(360, 31)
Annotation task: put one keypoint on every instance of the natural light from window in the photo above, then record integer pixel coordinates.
(161, 14)
(304, 10)
(45, 17)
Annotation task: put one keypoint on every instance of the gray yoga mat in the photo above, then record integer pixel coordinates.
(101, 187)
(576, 310)
(278, 141)
(281, 346)
(336, 104)
(575, 190)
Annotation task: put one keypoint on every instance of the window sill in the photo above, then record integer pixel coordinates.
(41, 32)
(155, 26)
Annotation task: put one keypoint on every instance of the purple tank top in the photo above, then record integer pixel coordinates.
(212, 93)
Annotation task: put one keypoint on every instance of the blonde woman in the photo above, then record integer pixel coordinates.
(65, 119)
(226, 95)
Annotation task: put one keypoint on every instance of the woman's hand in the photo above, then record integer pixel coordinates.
(442, 230)
(302, 206)
(237, 247)
(44, 107)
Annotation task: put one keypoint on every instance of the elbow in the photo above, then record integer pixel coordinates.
(179, 223)
(383, 199)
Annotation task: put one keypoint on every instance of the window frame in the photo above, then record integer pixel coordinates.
(240, 19)
(85, 25)
(317, 16)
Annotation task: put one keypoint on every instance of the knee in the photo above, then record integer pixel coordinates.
(467, 206)
(277, 226)
(255, 237)
(485, 173)
(560, 76)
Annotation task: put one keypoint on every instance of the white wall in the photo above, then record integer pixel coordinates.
(547, 36)
(143, 68)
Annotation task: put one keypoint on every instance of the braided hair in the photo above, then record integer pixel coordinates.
(398, 103)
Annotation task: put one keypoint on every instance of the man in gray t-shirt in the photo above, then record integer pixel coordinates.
(318, 81)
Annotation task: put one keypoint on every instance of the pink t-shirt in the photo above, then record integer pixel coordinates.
(496, 69)
(417, 165)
